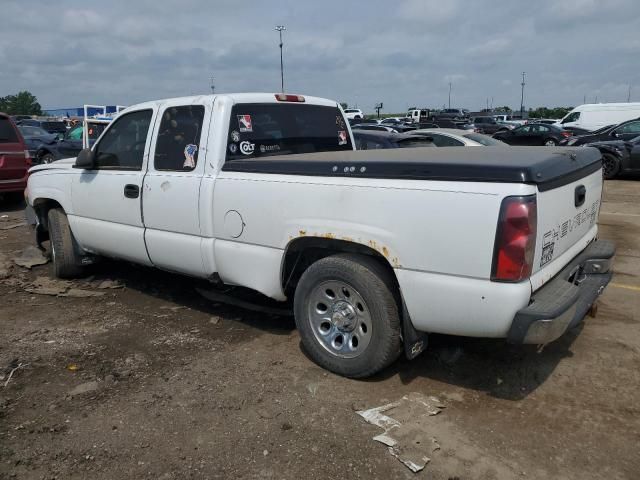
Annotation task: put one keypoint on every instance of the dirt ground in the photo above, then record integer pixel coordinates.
(152, 381)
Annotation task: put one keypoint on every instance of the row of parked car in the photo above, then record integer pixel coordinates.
(619, 144)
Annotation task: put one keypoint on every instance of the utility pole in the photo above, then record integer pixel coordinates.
(522, 97)
(629, 94)
(378, 107)
(449, 94)
(279, 29)
(584, 99)
(487, 104)
(492, 104)
(213, 87)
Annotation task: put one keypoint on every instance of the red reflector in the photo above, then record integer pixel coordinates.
(283, 97)
(565, 134)
(515, 239)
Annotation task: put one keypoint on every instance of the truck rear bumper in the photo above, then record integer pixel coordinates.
(563, 302)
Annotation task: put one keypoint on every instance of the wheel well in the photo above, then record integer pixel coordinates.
(302, 252)
(42, 207)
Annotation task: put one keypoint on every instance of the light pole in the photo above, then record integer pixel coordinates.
(522, 97)
(449, 95)
(213, 86)
(279, 29)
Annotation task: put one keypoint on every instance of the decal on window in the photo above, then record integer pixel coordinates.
(269, 148)
(233, 148)
(342, 137)
(190, 156)
(235, 136)
(244, 122)
(247, 147)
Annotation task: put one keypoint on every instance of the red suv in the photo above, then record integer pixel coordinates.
(14, 157)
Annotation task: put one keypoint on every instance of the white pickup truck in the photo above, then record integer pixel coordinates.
(373, 249)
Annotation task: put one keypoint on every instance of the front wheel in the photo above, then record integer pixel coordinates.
(347, 314)
(610, 166)
(64, 250)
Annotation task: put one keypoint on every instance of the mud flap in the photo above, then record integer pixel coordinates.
(414, 342)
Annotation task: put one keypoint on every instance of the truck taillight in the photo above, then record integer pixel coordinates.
(283, 97)
(515, 239)
(27, 157)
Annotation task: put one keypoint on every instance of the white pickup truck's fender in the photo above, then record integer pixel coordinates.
(51, 182)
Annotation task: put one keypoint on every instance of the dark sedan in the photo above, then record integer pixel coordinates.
(622, 131)
(371, 140)
(489, 125)
(619, 156)
(69, 145)
(36, 137)
(533, 134)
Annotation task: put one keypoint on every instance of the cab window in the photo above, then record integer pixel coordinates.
(122, 146)
(178, 141)
(572, 117)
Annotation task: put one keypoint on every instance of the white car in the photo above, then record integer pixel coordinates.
(353, 113)
(451, 137)
(375, 248)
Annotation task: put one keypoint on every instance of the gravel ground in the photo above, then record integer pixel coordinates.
(129, 373)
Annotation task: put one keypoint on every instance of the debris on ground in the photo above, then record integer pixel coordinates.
(105, 284)
(12, 226)
(4, 267)
(58, 288)
(30, 257)
(83, 388)
(406, 433)
(13, 366)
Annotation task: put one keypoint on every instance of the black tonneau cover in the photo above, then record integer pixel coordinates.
(547, 167)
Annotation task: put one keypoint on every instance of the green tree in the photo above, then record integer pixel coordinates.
(23, 103)
(344, 105)
(504, 109)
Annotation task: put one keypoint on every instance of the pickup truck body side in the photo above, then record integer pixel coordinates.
(431, 219)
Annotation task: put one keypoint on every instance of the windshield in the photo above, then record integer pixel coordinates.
(32, 131)
(264, 129)
(601, 130)
(485, 140)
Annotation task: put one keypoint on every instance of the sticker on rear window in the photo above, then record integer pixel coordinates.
(235, 136)
(244, 122)
(246, 148)
(342, 137)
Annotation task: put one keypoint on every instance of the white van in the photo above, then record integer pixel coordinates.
(596, 115)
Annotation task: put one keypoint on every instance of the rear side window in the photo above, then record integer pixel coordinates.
(7, 132)
(632, 127)
(179, 138)
(265, 129)
(122, 146)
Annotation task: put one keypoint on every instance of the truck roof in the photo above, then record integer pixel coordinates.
(256, 97)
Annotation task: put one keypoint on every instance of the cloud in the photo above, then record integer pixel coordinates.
(401, 53)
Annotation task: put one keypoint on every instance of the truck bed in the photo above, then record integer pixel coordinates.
(546, 167)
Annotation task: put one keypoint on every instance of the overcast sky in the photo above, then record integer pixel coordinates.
(400, 52)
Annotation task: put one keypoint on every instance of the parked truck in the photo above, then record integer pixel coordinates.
(372, 249)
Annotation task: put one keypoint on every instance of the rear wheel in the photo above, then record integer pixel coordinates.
(550, 142)
(610, 166)
(64, 250)
(347, 315)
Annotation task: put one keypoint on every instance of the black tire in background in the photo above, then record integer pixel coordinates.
(610, 166)
(47, 158)
(64, 250)
(364, 289)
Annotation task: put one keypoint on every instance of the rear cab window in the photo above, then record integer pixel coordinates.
(267, 129)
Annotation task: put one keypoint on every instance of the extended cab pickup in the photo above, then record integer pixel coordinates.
(374, 248)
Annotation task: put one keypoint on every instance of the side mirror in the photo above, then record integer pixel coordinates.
(85, 159)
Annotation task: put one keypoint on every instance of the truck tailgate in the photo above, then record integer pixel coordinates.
(567, 219)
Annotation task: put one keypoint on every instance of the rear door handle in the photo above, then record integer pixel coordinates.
(131, 191)
(580, 195)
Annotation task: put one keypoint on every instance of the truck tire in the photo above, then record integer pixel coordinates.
(47, 158)
(346, 311)
(64, 250)
(610, 166)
